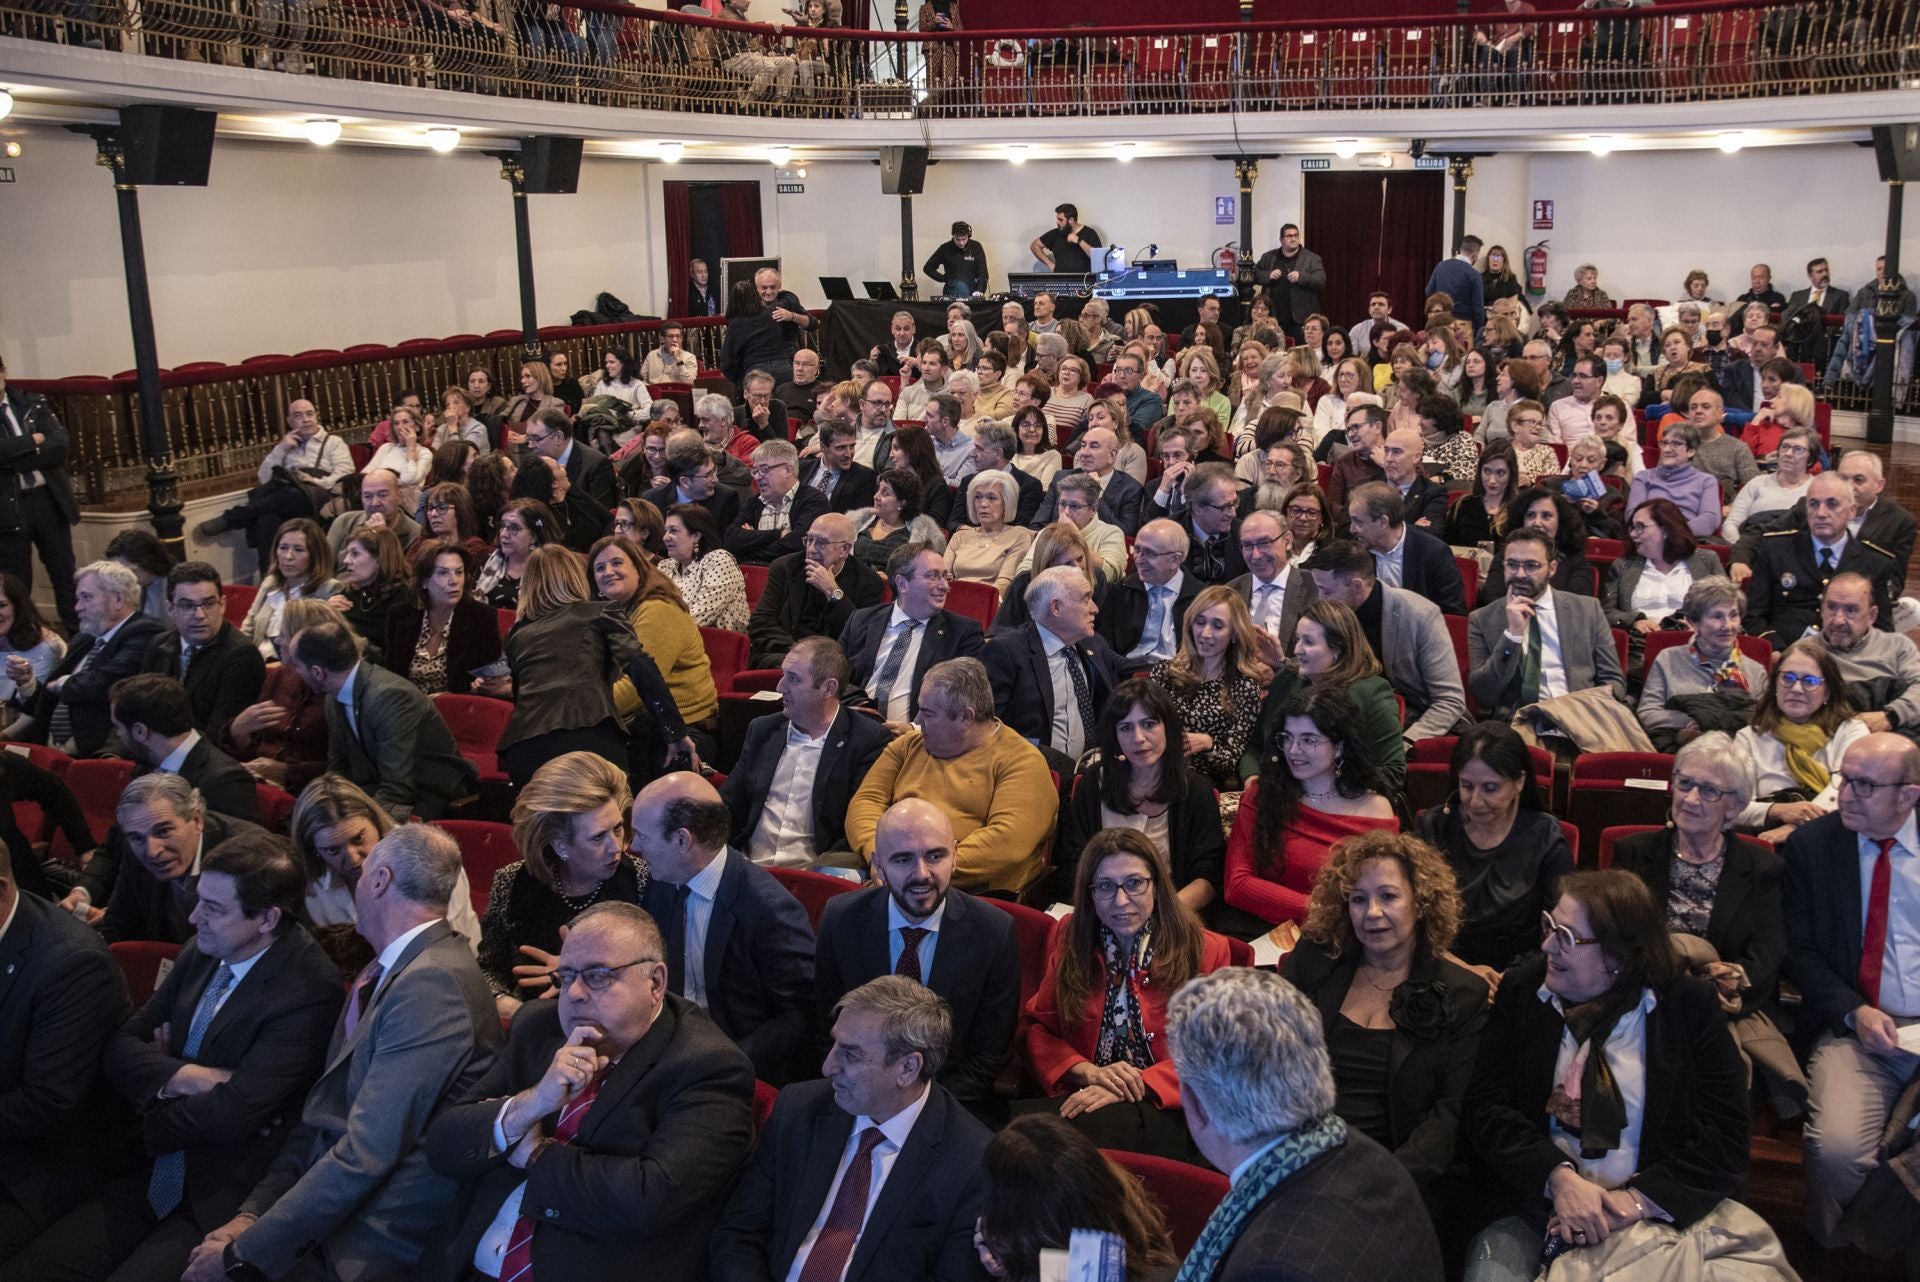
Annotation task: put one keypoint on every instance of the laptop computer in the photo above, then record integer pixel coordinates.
(838, 289)
(881, 289)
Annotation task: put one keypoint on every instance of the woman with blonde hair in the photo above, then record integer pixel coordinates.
(1303, 374)
(1216, 679)
(1248, 356)
(1269, 378)
(1199, 365)
(536, 394)
(1056, 544)
(302, 567)
(570, 826)
(664, 629)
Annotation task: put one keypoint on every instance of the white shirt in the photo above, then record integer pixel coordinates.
(777, 514)
(1626, 1052)
(1268, 600)
(1163, 644)
(864, 441)
(1657, 595)
(700, 893)
(896, 945)
(388, 955)
(896, 1129)
(1553, 668)
(784, 835)
(1069, 731)
(1391, 567)
(178, 757)
(901, 692)
(1839, 550)
(1900, 967)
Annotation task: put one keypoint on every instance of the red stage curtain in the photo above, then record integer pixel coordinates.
(1374, 231)
(741, 201)
(679, 244)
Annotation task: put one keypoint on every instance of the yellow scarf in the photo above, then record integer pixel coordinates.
(1803, 744)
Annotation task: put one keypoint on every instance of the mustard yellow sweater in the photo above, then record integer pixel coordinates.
(672, 640)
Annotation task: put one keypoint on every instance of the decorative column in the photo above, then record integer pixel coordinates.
(516, 176)
(1886, 324)
(909, 287)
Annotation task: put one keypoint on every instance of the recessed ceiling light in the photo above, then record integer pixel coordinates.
(1347, 148)
(1600, 144)
(443, 138)
(780, 155)
(672, 151)
(323, 132)
(1732, 140)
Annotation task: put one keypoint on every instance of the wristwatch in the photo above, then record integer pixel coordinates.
(837, 597)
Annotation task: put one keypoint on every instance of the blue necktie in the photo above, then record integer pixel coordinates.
(890, 668)
(168, 1183)
(1156, 618)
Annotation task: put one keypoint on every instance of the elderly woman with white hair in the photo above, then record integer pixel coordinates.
(1707, 682)
(992, 548)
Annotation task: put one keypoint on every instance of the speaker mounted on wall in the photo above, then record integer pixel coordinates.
(551, 166)
(163, 146)
(903, 171)
(1897, 148)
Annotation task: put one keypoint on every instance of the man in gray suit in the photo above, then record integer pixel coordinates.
(351, 1196)
(1275, 590)
(379, 507)
(383, 732)
(1535, 643)
(1407, 634)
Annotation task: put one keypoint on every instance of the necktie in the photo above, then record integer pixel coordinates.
(168, 1183)
(834, 1247)
(890, 667)
(1262, 595)
(1156, 619)
(1530, 674)
(823, 481)
(910, 937)
(517, 1263)
(1083, 696)
(362, 995)
(1826, 560)
(677, 941)
(187, 655)
(1873, 941)
(60, 727)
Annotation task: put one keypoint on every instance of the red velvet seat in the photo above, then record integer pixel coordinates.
(765, 1096)
(756, 579)
(236, 600)
(1469, 579)
(485, 848)
(96, 783)
(477, 723)
(140, 961)
(1759, 649)
(1599, 794)
(1429, 769)
(812, 889)
(507, 619)
(1609, 837)
(1187, 1194)
(1032, 931)
(726, 655)
(276, 807)
(977, 601)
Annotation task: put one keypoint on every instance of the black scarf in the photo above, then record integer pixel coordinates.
(1600, 1114)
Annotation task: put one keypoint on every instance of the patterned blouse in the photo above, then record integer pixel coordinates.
(429, 671)
(495, 586)
(522, 909)
(1457, 456)
(1536, 461)
(1203, 710)
(1690, 896)
(715, 590)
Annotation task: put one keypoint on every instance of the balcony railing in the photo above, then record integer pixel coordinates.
(603, 53)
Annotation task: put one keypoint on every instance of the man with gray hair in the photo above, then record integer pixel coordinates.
(1049, 349)
(70, 709)
(1145, 612)
(713, 415)
(352, 1192)
(1052, 675)
(780, 510)
(1257, 1089)
(380, 508)
(1881, 669)
(876, 1161)
(162, 821)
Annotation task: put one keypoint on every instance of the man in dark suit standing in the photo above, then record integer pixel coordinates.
(890, 647)
(1145, 612)
(351, 1195)
(1405, 556)
(1258, 1100)
(36, 497)
(833, 472)
(781, 510)
(1051, 676)
(1851, 887)
(154, 720)
(61, 997)
(702, 298)
(811, 593)
(1459, 278)
(611, 1128)
(588, 470)
(1293, 277)
(162, 822)
(216, 1065)
(69, 710)
(872, 1175)
(1275, 590)
(788, 792)
(737, 944)
(383, 732)
(221, 669)
(915, 924)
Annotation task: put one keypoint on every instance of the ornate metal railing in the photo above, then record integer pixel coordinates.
(599, 52)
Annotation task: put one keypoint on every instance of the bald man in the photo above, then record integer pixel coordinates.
(380, 508)
(737, 944)
(812, 592)
(913, 922)
(1423, 498)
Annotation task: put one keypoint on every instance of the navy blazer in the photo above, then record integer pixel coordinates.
(976, 967)
(854, 489)
(229, 793)
(946, 636)
(1120, 502)
(85, 693)
(854, 741)
(140, 905)
(758, 965)
(1427, 569)
(753, 546)
(1426, 500)
(271, 1032)
(223, 681)
(1023, 687)
(921, 1225)
(1123, 612)
(723, 505)
(1825, 906)
(1458, 279)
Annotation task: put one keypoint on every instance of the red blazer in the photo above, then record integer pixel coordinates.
(1053, 1044)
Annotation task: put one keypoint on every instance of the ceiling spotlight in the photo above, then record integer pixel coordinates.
(6, 102)
(919, 95)
(1125, 151)
(443, 138)
(1600, 144)
(780, 155)
(1733, 140)
(1347, 148)
(672, 151)
(324, 133)
(1017, 154)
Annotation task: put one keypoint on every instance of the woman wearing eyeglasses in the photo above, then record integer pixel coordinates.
(1094, 1035)
(1607, 1095)
(1671, 709)
(449, 514)
(1801, 731)
(570, 825)
(1795, 451)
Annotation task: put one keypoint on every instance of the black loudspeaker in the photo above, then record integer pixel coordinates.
(903, 171)
(166, 146)
(1897, 148)
(551, 166)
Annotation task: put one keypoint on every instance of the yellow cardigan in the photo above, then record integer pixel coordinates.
(672, 640)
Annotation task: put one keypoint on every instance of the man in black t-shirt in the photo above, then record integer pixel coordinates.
(1064, 249)
(959, 265)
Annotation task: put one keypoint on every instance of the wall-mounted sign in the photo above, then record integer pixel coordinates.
(1223, 210)
(1543, 215)
(1429, 162)
(1313, 164)
(789, 189)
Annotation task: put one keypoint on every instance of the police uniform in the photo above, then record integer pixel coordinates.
(1783, 596)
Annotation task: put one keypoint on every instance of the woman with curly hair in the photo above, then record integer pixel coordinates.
(1215, 679)
(1402, 1021)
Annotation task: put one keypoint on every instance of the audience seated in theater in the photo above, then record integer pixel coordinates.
(405, 453)
(1404, 555)
(737, 944)
(714, 415)
(1876, 518)
(536, 395)
(1051, 675)
(889, 647)
(24, 784)
(458, 421)
(1500, 670)
(162, 822)
(1423, 500)
(1659, 1127)
(989, 548)
(1366, 429)
(304, 466)
(1449, 450)
(1211, 521)
(1140, 780)
(1543, 508)
(1121, 496)
(670, 362)
(1789, 568)
(153, 721)
(282, 739)
(643, 523)
(1077, 501)
(577, 519)
(666, 634)
(491, 480)
(561, 1148)
(334, 827)
(383, 732)
(1039, 431)
(1329, 648)
(911, 449)
(1405, 632)
(487, 403)
(1094, 1035)
(1724, 457)
(692, 474)
(995, 449)
(1708, 683)
(991, 783)
(1275, 590)
(1479, 516)
(215, 1099)
(1144, 615)
(377, 579)
(1526, 424)
(762, 415)
(789, 790)
(221, 672)
(915, 924)
(442, 636)
(1216, 679)
(1695, 492)
(1647, 588)
(418, 1032)
(1767, 497)
(452, 465)
(812, 592)
(589, 472)
(1880, 670)
(64, 997)
(1803, 724)
(68, 709)
(28, 647)
(780, 512)
(383, 506)
(450, 515)
(302, 568)
(706, 574)
(1315, 787)
(894, 520)
(1057, 544)
(877, 1166)
(835, 472)
(1788, 405)
(1402, 1019)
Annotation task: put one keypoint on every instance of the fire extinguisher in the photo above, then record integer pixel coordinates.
(1227, 259)
(1537, 268)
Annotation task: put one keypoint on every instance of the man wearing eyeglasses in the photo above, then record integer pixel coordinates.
(890, 647)
(221, 670)
(693, 476)
(588, 470)
(1534, 643)
(1793, 567)
(1144, 613)
(811, 593)
(1212, 520)
(615, 1079)
(1052, 675)
(1853, 947)
(1274, 590)
(771, 523)
(1571, 417)
(380, 508)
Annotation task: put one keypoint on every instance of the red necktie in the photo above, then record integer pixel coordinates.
(362, 994)
(834, 1247)
(1873, 942)
(909, 965)
(518, 1261)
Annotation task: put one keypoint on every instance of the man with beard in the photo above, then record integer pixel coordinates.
(1881, 669)
(1535, 643)
(915, 924)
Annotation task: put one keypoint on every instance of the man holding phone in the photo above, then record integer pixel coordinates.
(1064, 249)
